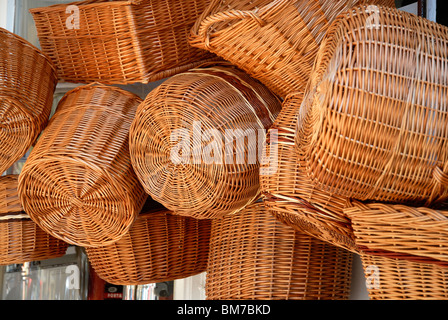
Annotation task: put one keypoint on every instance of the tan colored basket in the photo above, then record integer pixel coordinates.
(274, 41)
(255, 257)
(373, 123)
(21, 240)
(188, 141)
(78, 183)
(27, 83)
(119, 41)
(291, 196)
(159, 247)
(404, 249)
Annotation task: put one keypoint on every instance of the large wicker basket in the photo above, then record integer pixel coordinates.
(21, 240)
(404, 249)
(159, 247)
(193, 142)
(27, 83)
(373, 123)
(119, 41)
(78, 183)
(255, 257)
(274, 41)
(291, 196)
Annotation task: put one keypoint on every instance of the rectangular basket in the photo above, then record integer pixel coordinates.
(119, 42)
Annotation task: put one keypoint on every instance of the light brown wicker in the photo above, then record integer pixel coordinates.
(255, 257)
(21, 240)
(274, 41)
(291, 196)
(27, 83)
(119, 41)
(78, 183)
(194, 140)
(159, 247)
(373, 123)
(404, 249)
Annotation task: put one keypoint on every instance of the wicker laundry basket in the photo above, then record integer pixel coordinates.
(373, 123)
(159, 247)
(78, 183)
(291, 196)
(21, 240)
(119, 42)
(194, 140)
(274, 41)
(255, 257)
(404, 250)
(27, 83)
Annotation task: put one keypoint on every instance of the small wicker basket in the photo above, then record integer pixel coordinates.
(373, 123)
(78, 183)
(159, 247)
(21, 240)
(274, 41)
(255, 257)
(404, 249)
(194, 140)
(27, 83)
(119, 42)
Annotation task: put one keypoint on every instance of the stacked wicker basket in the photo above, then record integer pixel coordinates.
(287, 136)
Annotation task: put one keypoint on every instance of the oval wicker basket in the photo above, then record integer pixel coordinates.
(78, 183)
(194, 139)
(27, 83)
(21, 240)
(290, 196)
(274, 41)
(255, 257)
(373, 123)
(119, 42)
(159, 247)
(404, 249)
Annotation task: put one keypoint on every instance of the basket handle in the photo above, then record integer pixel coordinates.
(204, 28)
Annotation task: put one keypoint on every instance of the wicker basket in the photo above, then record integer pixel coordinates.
(288, 193)
(27, 83)
(274, 41)
(255, 257)
(404, 249)
(373, 123)
(119, 42)
(188, 141)
(21, 240)
(78, 183)
(159, 247)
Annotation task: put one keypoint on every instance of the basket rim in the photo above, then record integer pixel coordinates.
(84, 4)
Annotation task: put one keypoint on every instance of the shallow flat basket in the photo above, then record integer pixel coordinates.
(373, 123)
(195, 140)
(119, 41)
(291, 196)
(159, 247)
(255, 257)
(27, 83)
(21, 240)
(78, 183)
(273, 41)
(404, 250)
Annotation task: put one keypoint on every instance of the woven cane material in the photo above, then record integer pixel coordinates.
(195, 140)
(119, 42)
(78, 183)
(293, 198)
(27, 83)
(273, 41)
(255, 257)
(159, 247)
(373, 123)
(21, 240)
